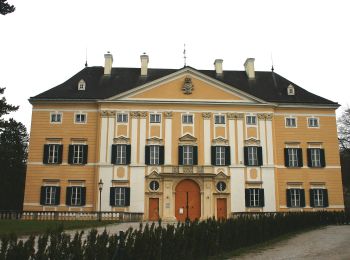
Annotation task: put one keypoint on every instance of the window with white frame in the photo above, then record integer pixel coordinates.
(318, 197)
(313, 122)
(292, 157)
(78, 154)
(252, 155)
(295, 197)
(76, 193)
(291, 122)
(254, 197)
(50, 195)
(251, 120)
(81, 85)
(155, 118)
(219, 119)
(290, 90)
(220, 155)
(188, 155)
(121, 154)
(56, 118)
(122, 118)
(53, 153)
(80, 118)
(187, 119)
(119, 196)
(315, 157)
(154, 154)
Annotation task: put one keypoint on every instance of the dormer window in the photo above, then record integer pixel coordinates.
(290, 90)
(81, 85)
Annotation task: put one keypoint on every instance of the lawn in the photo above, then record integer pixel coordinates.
(27, 227)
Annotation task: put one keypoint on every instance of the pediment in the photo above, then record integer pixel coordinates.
(187, 138)
(154, 141)
(220, 141)
(252, 141)
(153, 175)
(221, 175)
(187, 85)
(121, 140)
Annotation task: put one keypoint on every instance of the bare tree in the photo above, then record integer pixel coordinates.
(344, 130)
(6, 8)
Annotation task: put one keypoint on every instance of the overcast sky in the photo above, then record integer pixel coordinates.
(43, 43)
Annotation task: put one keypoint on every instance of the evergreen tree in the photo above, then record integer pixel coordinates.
(13, 156)
(6, 8)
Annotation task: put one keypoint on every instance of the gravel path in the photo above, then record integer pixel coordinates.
(331, 242)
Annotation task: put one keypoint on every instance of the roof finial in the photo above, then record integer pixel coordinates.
(272, 68)
(185, 55)
(86, 63)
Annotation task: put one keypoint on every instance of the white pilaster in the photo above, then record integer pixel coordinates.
(206, 137)
(142, 140)
(232, 137)
(269, 142)
(168, 139)
(237, 190)
(110, 134)
(240, 139)
(268, 184)
(134, 128)
(137, 189)
(103, 140)
(263, 139)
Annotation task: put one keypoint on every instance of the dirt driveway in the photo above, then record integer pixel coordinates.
(331, 242)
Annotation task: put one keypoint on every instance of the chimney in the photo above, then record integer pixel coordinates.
(144, 64)
(249, 68)
(108, 63)
(218, 67)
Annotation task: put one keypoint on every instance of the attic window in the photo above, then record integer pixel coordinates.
(81, 85)
(290, 90)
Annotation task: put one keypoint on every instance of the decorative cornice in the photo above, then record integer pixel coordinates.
(252, 141)
(188, 138)
(168, 114)
(154, 141)
(143, 114)
(121, 140)
(265, 116)
(206, 115)
(134, 114)
(235, 116)
(220, 141)
(107, 113)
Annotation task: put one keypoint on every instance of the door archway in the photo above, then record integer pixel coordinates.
(187, 200)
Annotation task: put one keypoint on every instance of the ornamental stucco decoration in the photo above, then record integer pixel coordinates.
(206, 115)
(168, 114)
(134, 114)
(188, 86)
(143, 114)
(235, 116)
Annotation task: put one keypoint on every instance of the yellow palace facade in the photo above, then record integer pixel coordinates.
(178, 143)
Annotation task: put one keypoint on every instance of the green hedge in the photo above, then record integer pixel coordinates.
(192, 240)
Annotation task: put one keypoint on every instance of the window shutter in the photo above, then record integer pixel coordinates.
(46, 154)
(322, 158)
(286, 157)
(83, 196)
(312, 203)
(147, 154)
(58, 194)
(127, 196)
(161, 155)
(247, 202)
(246, 155)
(112, 196)
(181, 156)
(227, 155)
(288, 197)
(68, 195)
(261, 198)
(325, 198)
(60, 151)
(195, 155)
(114, 154)
(70, 153)
(309, 162)
(128, 153)
(260, 155)
(302, 198)
(213, 155)
(42, 195)
(85, 154)
(300, 157)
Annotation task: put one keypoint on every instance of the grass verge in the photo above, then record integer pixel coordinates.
(28, 227)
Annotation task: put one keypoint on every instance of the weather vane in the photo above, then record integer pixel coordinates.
(185, 55)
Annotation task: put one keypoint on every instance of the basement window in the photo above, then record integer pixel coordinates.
(81, 85)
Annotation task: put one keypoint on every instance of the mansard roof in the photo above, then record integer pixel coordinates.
(267, 85)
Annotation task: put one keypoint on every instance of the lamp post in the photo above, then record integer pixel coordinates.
(100, 187)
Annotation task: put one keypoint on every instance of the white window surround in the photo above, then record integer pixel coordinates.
(53, 153)
(50, 195)
(119, 196)
(80, 118)
(290, 90)
(219, 119)
(122, 118)
(220, 155)
(318, 198)
(78, 154)
(290, 122)
(121, 154)
(155, 118)
(252, 155)
(81, 85)
(293, 157)
(254, 197)
(154, 154)
(187, 119)
(76, 196)
(313, 122)
(315, 157)
(187, 155)
(56, 117)
(251, 120)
